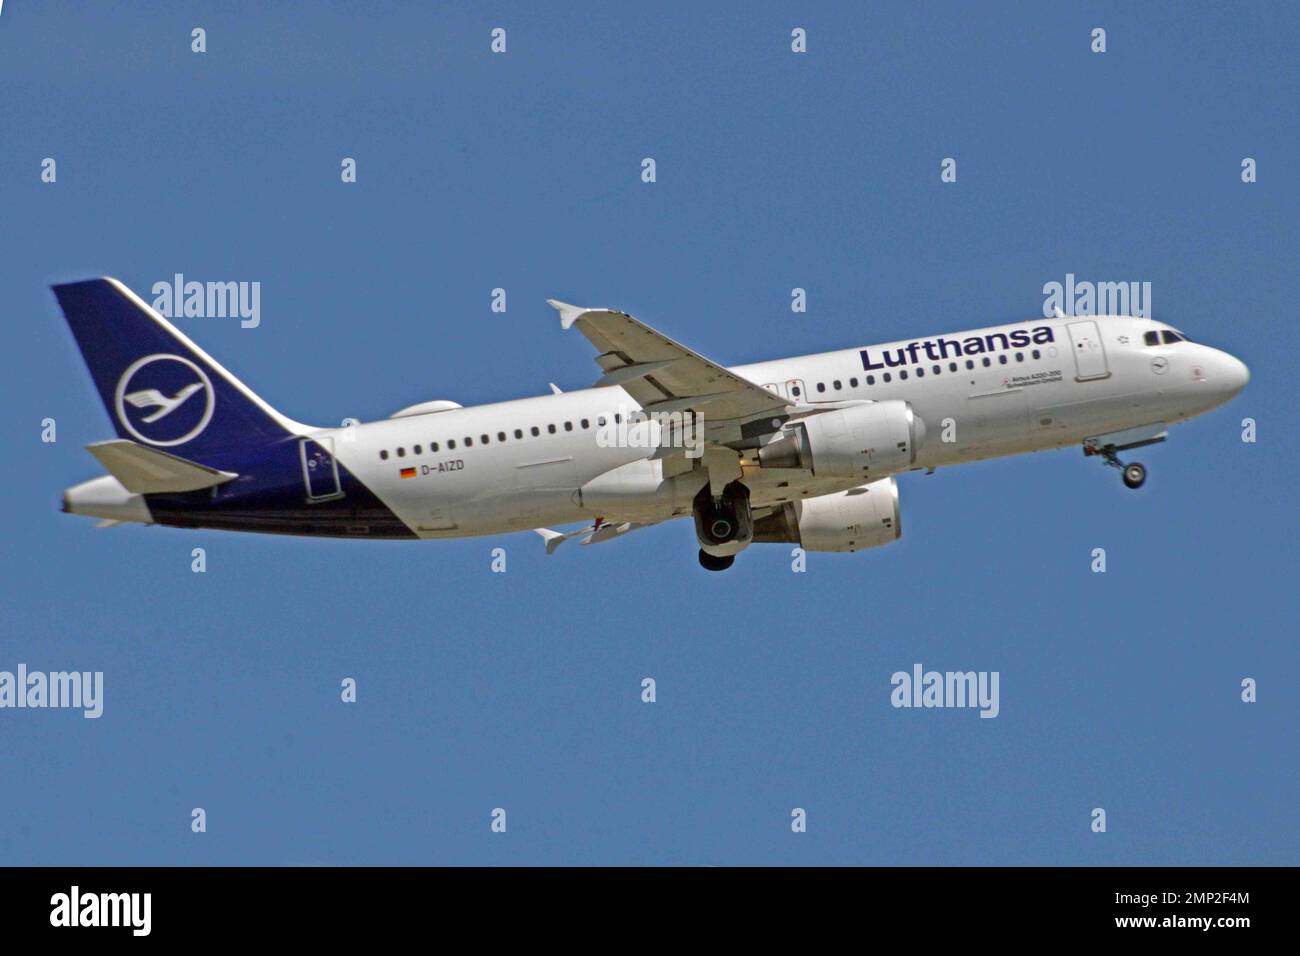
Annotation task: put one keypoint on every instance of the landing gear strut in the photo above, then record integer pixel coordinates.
(710, 563)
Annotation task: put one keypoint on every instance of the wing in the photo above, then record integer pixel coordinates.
(663, 375)
(592, 534)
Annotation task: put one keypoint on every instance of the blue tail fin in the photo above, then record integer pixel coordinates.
(160, 388)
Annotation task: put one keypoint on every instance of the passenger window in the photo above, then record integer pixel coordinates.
(970, 364)
(937, 369)
(401, 453)
(501, 436)
(550, 429)
(383, 455)
(451, 444)
(483, 439)
(987, 363)
(469, 442)
(568, 426)
(886, 377)
(795, 391)
(871, 380)
(1002, 359)
(1020, 356)
(1036, 354)
(821, 386)
(519, 433)
(585, 423)
(534, 431)
(836, 384)
(903, 375)
(416, 450)
(433, 446)
(952, 366)
(920, 373)
(853, 383)
(600, 422)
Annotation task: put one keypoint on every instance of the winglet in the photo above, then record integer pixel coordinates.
(553, 539)
(568, 313)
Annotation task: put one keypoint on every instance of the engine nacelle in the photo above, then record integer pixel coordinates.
(863, 517)
(861, 441)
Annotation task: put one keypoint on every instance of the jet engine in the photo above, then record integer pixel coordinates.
(862, 517)
(860, 441)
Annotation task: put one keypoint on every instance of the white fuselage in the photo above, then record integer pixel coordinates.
(1082, 378)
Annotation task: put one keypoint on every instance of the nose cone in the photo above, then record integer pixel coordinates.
(1231, 374)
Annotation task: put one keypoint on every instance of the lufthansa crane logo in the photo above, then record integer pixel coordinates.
(164, 400)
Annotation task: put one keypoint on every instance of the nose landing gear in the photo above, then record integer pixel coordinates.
(1107, 447)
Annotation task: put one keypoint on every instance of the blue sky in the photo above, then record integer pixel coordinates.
(522, 690)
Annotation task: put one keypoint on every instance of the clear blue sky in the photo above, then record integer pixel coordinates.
(521, 690)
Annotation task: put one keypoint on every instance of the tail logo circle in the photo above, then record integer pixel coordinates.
(157, 400)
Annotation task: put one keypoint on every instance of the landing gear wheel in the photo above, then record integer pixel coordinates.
(1135, 475)
(710, 563)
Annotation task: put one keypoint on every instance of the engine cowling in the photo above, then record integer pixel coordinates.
(863, 517)
(860, 441)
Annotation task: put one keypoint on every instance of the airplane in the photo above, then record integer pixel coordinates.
(801, 451)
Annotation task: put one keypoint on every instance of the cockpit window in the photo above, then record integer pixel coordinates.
(1168, 336)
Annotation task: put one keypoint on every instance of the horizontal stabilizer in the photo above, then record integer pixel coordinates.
(144, 471)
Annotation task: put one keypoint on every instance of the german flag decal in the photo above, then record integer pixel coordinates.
(408, 472)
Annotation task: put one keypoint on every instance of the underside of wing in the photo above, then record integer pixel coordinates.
(596, 533)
